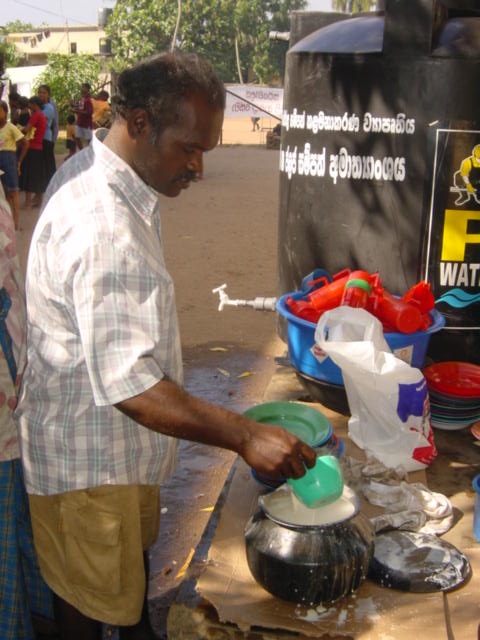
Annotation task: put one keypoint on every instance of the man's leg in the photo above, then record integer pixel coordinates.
(143, 629)
(12, 198)
(73, 625)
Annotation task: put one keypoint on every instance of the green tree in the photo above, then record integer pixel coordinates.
(352, 6)
(10, 53)
(254, 20)
(65, 75)
(208, 28)
(139, 28)
(12, 57)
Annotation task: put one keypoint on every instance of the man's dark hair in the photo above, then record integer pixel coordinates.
(23, 102)
(46, 87)
(86, 85)
(35, 100)
(161, 83)
(13, 96)
(103, 95)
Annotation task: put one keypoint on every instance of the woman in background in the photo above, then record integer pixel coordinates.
(33, 168)
(48, 143)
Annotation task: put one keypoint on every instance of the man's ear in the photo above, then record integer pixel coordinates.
(138, 123)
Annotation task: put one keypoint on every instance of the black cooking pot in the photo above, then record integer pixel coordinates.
(309, 564)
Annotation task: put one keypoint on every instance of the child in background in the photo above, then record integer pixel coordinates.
(71, 144)
(10, 137)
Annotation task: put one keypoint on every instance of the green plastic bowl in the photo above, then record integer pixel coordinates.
(307, 423)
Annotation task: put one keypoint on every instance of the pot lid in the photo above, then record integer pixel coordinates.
(305, 422)
(417, 562)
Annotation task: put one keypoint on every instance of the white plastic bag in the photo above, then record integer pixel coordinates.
(388, 399)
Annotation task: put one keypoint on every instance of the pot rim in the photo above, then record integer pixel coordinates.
(316, 527)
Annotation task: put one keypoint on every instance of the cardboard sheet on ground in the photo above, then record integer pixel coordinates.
(372, 612)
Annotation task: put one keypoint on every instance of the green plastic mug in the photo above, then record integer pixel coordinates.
(322, 484)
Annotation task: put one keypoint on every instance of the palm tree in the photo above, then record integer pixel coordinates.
(177, 25)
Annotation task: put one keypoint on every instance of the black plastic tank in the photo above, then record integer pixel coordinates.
(380, 158)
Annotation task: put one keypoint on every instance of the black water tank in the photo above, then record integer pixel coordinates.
(378, 165)
(104, 14)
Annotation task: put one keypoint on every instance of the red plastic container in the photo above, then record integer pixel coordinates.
(392, 312)
(330, 295)
(357, 290)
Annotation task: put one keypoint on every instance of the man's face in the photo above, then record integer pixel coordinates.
(43, 95)
(84, 90)
(176, 157)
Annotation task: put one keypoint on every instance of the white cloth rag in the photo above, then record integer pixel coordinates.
(410, 506)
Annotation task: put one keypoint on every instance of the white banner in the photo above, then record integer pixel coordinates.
(268, 98)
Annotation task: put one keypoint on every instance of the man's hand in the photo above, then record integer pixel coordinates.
(276, 453)
(270, 450)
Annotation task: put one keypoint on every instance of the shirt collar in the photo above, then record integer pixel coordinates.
(123, 179)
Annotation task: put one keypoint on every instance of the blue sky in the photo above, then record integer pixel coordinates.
(56, 12)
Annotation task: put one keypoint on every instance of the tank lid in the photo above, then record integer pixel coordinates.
(355, 35)
(459, 38)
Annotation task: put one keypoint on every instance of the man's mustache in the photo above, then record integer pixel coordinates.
(190, 176)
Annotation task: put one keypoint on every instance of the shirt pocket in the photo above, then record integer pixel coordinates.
(93, 549)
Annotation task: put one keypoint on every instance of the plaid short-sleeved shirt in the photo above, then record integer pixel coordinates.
(102, 327)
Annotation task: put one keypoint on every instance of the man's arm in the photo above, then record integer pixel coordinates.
(168, 409)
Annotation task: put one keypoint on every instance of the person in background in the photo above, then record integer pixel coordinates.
(24, 114)
(47, 145)
(83, 110)
(14, 104)
(25, 600)
(33, 167)
(255, 120)
(51, 101)
(102, 114)
(102, 404)
(70, 131)
(11, 140)
(23, 119)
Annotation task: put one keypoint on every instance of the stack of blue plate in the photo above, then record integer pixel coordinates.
(454, 389)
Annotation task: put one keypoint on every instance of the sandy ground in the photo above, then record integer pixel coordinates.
(222, 230)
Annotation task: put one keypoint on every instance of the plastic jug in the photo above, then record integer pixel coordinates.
(322, 484)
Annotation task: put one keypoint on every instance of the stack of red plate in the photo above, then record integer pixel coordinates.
(454, 389)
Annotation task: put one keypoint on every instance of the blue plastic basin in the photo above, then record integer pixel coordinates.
(410, 347)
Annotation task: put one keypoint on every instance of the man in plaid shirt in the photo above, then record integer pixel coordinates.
(102, 403)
